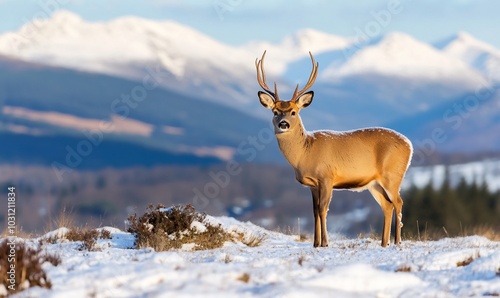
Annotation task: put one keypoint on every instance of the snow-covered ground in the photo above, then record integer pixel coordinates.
(279, 267)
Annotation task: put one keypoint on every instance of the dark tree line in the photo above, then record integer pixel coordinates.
(454, 211)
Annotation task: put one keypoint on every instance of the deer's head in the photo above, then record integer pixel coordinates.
(286, 112)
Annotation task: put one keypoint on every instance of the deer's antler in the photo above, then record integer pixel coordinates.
(310, 82)
(261, 77)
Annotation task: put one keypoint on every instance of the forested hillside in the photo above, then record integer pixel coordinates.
(451, 211)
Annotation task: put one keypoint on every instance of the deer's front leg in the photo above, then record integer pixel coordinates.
(317, 220)
(325, 196)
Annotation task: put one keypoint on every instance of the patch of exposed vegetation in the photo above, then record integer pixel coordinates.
(88, 237)
(245, 277)
(466, 261)
(251, 240)
(301, 260)
(27, 266)
(404, 268)
(170, 228)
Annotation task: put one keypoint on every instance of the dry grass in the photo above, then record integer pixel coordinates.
(404, 269)
(372, 235)
(88, 237)
(288, 230)
(486, 231)
(166, 229)
(245, 277)
(431, 234)
(465, 262)
(303, 238)
(254, 240)
(251, 240)
(351, 245)
(301, 260)
(28, 270)
(65, 219)
(19, 233)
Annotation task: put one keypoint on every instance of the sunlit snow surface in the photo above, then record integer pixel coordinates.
(279, 267)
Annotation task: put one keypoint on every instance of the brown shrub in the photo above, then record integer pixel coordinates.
(28, 262)
(165, 229)
(88, 237)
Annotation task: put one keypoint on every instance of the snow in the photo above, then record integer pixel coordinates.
(56, 234)
(279, 267)
(365, 279)
(198, 227)
(294, 47)
(477, 54)
(132, 48)
(315, 41)
(398, 54)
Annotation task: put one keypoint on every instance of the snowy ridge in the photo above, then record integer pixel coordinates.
(67, 40)
(399, 54)
(295, 47)
(477, 54)
(191, 62)
(280, 266)
(131, 47)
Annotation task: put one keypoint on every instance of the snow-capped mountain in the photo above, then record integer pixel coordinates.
(188, 61)
(398, 54)
(477, 54)
(295, 47)
(392, 80)
(132, 48)
(195, 64)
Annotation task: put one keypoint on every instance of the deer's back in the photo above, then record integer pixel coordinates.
(354, 158)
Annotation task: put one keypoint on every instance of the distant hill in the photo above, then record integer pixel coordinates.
(61, 107)
(65, 153)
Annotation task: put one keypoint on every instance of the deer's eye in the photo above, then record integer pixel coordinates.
(293, 113)
(275, 113)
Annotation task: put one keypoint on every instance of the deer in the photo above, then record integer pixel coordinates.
(375, 158)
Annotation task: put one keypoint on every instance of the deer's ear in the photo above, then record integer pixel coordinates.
(305, 99)
(266, 100)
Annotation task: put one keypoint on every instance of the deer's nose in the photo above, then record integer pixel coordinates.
(284, 124)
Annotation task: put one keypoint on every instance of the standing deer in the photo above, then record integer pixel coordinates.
(372, 158)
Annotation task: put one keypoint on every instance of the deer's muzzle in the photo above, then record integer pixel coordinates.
(284, 125)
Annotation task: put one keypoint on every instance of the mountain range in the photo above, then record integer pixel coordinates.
(164, 86)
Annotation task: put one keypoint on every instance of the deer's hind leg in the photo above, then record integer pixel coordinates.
(387, 206)
(391, 188)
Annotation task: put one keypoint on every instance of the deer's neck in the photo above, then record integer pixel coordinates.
(293, 144)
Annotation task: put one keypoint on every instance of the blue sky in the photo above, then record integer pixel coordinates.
(239, 21)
